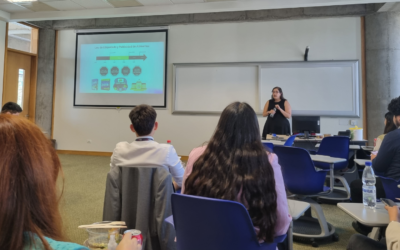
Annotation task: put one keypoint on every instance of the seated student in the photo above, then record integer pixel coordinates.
(361, 242)
(11, 108)
(389, 127)
(29, 167)
(235, 166)
(385, 163)
(144, 151)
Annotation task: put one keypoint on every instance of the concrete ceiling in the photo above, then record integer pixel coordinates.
(15, 10)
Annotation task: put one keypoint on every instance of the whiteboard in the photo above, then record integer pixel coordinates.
(314, 88)
(323, 88)
(209, 88)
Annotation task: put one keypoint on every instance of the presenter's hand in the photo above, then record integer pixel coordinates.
(272, 111)
(277, 107)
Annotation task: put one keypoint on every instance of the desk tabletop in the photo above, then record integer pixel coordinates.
(361, 162)
(351, 147)
(275, 142)
(326, 159)
(368, 148)
(297, 208)
(370, 217)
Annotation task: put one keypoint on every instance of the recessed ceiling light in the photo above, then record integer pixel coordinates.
(22, 1)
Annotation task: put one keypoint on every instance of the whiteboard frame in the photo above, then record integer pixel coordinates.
(354, 64)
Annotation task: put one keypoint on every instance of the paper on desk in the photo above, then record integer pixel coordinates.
(170, 220)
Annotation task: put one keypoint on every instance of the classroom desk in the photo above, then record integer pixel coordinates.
(375, 218)
(332, 160)
(296, 209)
(361, 162)
(310, 144)
(351, 147)
(367, 148)
(275, 142)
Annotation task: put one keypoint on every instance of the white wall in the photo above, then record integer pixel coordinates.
(329, 39)
(2, 51)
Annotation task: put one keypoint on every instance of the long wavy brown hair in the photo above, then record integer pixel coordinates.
(29, 167)
(234, 164)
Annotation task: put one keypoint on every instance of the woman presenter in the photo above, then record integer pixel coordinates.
(278, 111)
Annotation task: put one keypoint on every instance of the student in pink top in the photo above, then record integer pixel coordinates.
(235, 166)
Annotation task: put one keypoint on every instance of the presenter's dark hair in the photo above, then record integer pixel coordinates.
(280, 91)
(389, 127)
(235, 167)
(11, 107)
(143, 118)
(394, 106)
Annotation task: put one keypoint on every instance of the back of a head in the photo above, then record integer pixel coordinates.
(143, 118)
(234, 164)
(29, 169)
(389, 126)
(394, 106)
(11, 107)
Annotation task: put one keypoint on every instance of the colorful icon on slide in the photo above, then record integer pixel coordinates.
(114, 71)
(95, 84)
(105, 84)
(125, 71)
(138, 86)
(103, 71)
(137, 70)
(120, 84)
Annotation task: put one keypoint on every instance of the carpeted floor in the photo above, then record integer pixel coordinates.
(84, 187)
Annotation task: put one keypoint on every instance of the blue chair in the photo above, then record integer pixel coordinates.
(303, 181)
(337, 146)
(204, 223)
(289, 142)
(391, 187)
(268, 146)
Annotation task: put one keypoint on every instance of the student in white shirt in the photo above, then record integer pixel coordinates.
(144, 151)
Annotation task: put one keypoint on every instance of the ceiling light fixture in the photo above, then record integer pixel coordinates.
(22, 1)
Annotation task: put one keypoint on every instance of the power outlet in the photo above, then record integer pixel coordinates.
(353, 122)
(89, 141)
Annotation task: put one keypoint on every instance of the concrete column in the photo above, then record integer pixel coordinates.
(44, 91)
(382, 37)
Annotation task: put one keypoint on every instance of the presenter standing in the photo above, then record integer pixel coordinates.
(278, 111)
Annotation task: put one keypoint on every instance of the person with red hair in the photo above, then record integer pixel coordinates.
(29, 168)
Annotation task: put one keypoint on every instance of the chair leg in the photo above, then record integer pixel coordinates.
(290, 236)
(318, 224)
(320, 216)
(345, 184)
(338, 194)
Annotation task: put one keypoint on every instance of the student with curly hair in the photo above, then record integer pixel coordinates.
(235, 166)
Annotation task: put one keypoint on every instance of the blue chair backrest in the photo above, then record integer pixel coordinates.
(212, 224)
(268, 146)
(289, 142)
(391, 188)
(336, 146)
(298, 171)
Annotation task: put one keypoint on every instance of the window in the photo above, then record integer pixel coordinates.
(22, 37)
(21, 78)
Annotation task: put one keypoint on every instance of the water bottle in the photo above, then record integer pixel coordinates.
(112, 244)
(272, 115)
(369, 191)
